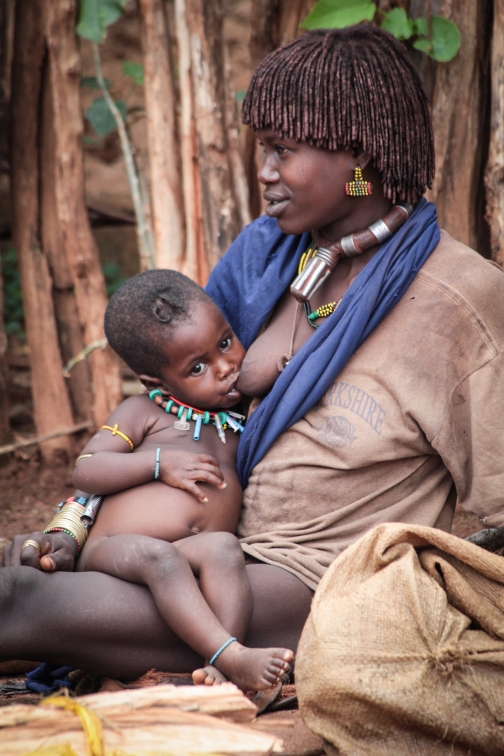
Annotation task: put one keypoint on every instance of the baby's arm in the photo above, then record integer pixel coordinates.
(107, 466)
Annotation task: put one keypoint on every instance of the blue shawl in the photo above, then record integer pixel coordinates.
(252, 276)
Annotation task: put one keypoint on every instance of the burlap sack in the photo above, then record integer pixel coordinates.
(403, 651)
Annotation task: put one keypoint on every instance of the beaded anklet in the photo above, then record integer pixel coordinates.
(184, 412)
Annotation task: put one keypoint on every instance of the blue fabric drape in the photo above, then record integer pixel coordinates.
(252, 276)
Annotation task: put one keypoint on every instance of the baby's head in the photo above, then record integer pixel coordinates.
(173, 336)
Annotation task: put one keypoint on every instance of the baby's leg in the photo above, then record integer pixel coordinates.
(166, 571)
(218, 561)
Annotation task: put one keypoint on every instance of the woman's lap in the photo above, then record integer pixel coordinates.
(103, 624)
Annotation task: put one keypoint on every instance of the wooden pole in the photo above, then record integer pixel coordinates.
(494, 176)
(272, 23)
(50, 399)
(167, 201)
(6, 40)
(219, 213)
(459, 107)
(79, 243)
(8, 448)
(65, 306)
(195, 263)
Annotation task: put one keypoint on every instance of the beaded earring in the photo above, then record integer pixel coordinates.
(358, 187)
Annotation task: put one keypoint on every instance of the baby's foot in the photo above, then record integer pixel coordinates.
(254, 668)
(208, 675)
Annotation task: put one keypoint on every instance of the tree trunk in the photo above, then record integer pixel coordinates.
(79, 243)
(4, 376)
(67, 318)
(6, 39)
(460, 119)
(51, 404)
(494, 176)
(273, 23)
(167, 202)
(220, 217)
(195, 263)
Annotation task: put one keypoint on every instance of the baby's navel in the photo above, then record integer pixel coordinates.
(195, 530)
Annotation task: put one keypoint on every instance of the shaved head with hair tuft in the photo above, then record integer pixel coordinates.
(143, 313)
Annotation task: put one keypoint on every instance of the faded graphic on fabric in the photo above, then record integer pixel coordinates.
(336, 431)
(356, 400)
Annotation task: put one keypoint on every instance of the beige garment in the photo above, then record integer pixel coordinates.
(403, 651)
(413, 422)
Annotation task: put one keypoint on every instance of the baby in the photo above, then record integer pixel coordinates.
(166, 465)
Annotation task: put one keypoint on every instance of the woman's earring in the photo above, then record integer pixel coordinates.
(358, 187)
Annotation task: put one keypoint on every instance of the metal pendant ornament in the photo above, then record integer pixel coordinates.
(322, 257)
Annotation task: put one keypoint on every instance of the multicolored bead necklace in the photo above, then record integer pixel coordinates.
(324, 310)
(221, 420)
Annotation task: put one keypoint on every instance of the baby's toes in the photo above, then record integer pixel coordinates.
(208, 676)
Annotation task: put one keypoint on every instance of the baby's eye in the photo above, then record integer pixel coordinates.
(281, 150)
(199, 368)
(225, 344)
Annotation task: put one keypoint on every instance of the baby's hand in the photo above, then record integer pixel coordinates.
(180, 469)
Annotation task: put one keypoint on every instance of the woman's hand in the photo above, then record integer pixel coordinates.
(180, 469)
(57, 551)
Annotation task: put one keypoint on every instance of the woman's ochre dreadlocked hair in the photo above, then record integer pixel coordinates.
(353, 87)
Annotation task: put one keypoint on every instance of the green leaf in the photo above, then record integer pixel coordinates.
(240, 95)
(421, 27)
(397, 23)
(445, 42)
(91, 82)
(96, 15)
(336, 14)
(100, 117)
(134, 71)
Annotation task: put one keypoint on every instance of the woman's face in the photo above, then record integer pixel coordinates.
(305, 186)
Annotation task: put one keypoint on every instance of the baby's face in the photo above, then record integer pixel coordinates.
(205, 360)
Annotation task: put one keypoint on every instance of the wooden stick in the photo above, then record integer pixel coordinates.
(490, 539)
(40, 439)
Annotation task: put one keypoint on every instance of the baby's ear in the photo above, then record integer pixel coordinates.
(151, 382)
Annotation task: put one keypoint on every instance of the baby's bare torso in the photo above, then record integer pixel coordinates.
(160, 511)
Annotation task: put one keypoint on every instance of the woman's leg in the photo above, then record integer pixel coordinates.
(166, 571)
(112, 627)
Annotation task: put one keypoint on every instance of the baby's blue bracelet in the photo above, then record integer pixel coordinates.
(221, 649)
(156, 471)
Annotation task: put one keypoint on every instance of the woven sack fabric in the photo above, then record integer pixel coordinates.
(403, 651)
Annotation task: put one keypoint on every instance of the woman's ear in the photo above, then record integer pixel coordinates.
(151, 383)
(362, 157)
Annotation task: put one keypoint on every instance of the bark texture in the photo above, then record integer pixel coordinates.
(6, 40)
(220, 218)
(50, 399)
(167, 202)
(4, 377)
(67, 317)
(273, 23)
(80, 247)
(459, 114)
(195, 263)
(494, 176)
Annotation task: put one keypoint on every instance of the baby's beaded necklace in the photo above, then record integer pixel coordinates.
(184, 412)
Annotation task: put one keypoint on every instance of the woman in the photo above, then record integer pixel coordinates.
(386, 412)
